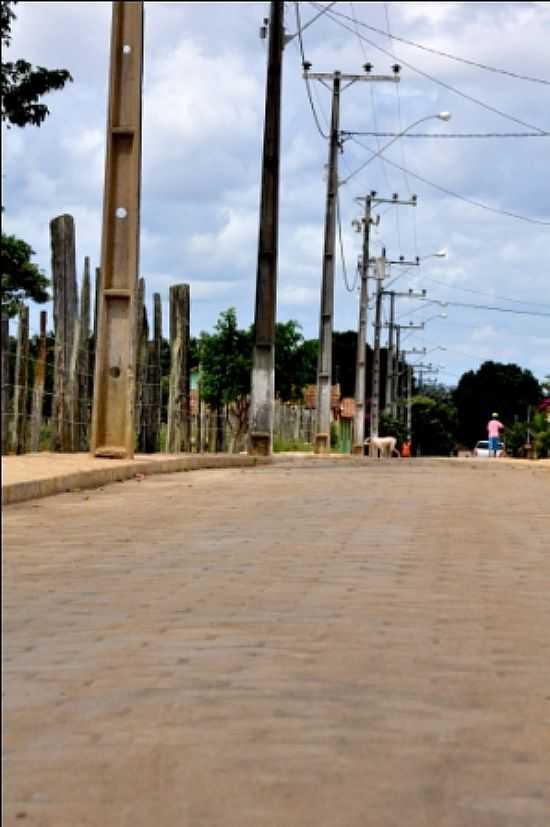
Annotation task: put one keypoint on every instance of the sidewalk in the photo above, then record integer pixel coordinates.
(29, 476)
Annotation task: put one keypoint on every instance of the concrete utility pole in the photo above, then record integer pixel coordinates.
(359, 420)
(390, 366)
(401, 353)
(113, 432)
(324, 362)
(395, 392)
(360, 363)
(375, 395)
(381, 270)
(262, 395)
(409, 402)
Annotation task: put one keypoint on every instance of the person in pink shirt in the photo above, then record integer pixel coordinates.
(494, 427)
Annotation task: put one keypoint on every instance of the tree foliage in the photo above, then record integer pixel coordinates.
(22, 85)
(495, 387)
(225, 361)
(21, 279)
(434, 422)
(295, 361)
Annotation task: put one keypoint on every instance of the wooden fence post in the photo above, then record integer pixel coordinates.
(83, 362)
(65, 300)
(141, 349)
(177, 438)
(5, 381)
(19, 423)
(38, 387)
(155, 378)
(73, 406)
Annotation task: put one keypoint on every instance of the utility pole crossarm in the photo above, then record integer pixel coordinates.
(330, 76)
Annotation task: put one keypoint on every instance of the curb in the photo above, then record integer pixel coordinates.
(34, 489)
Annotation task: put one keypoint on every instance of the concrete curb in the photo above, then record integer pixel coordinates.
(18, 492)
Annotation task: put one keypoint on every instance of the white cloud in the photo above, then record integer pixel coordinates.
(202, 145)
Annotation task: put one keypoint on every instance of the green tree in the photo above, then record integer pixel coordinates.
(21, 279)
(22, 85)
(295, 361)
(225, 365)
(389, 426)
(504, 388)
(434, 423)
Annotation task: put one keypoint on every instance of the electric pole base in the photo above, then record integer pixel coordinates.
(358, 450)
(112, 452)
(259, 444)
(322, 444)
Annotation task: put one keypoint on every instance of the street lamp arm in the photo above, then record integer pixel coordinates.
(442, 116)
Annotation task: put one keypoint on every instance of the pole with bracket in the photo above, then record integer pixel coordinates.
(262, 395)
(114, 387)
(324, 363)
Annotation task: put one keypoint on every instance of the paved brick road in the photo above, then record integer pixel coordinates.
(322, 644)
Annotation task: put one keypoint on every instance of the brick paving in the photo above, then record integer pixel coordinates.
(319, 643)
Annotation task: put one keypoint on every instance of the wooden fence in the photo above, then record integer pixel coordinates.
(47, 379)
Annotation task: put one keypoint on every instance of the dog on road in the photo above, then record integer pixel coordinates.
(385, 445)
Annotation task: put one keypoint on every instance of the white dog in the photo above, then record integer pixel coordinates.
(385, 445)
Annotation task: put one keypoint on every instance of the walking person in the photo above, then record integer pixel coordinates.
(494, 427)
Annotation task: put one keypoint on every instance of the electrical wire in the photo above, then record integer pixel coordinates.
(487, 307)
(399, 118)
(373, 104)
(341, 245)
(450, 134)
(456, 195)
(481, 292)
(498, 309)
(448, 86)
(313, 111)
(477, 64)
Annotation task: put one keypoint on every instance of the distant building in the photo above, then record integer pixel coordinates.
(544, 408)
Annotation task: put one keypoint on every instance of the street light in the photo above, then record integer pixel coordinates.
(442, 116)
(437, 316)
(440, 254)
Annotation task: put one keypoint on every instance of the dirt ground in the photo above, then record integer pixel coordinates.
(314, 644)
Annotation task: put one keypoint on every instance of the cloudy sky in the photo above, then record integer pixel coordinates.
(204, 84)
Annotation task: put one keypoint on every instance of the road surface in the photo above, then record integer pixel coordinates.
(320, 643)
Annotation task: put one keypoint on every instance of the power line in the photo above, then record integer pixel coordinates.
(481, 292)
(456, 195)
(491, 307)
(341, 245)
(477, 64)
(448, 86)
(373, 104)
(450, 134)
(399, 119)
(313, 111)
